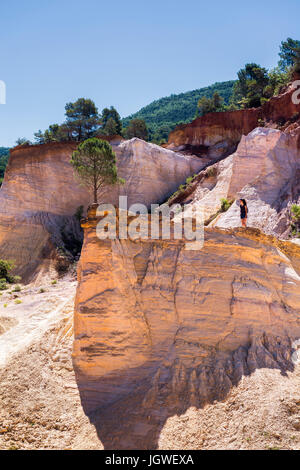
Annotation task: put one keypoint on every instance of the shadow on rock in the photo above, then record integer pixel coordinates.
(131, 413)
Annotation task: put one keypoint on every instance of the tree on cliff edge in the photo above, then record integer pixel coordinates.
(290, 54)
(137, 128)
(82, 118)
(95, 165)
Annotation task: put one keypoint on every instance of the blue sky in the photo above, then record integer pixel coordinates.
(127, 53)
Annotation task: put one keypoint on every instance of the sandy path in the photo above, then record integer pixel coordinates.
(37, 314)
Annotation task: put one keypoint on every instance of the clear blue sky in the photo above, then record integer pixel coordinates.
(127, 53)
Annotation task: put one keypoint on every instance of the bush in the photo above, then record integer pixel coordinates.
(17, 288)
(18, 301)
(5, 268)
(189, 180)
(211, 171)
(225, 204)
(295, 215)
(3, 285)
(78, 213)
(295, 209)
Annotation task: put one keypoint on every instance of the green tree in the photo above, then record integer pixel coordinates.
(277, 79)
(177, 109)
(289, 54)
(4, 155)
(110, 128)
(57, 133)
(137, 128)
(210, 105)
(217, 101)
(249, 89)
(54, 133)
(39, 137)
(82, 119)
(109, 114)
(23, 141)
(95, 164)
(205, 106)
(161, 134)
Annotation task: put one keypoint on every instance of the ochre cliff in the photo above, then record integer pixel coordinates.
(40, 195)
(214, 132)
(159, 328)
(221, 132)
(38, 199)
(264, 170)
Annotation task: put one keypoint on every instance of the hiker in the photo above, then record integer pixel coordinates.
(244, 212)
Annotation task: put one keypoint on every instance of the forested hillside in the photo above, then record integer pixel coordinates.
(162, 115)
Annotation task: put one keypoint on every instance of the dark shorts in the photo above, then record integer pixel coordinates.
(243, 217)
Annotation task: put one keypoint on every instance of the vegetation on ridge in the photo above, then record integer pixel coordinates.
(4, 155)
(161, 116)
(254, 86)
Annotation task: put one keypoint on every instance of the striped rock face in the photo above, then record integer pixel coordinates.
(40, 195)
(221, 132)
(159, 328)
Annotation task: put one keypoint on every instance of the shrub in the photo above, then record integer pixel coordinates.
(211, 171)
(5, 268)
(54, 282)
(225, 204)
(295, 223)
(78, 213)
(295, 209)
(263, 100)
(189, 180)
(17, 288)
(41, 291)
(18, 301)
(3, 285)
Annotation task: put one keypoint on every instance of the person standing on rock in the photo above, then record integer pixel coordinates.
(244, 212)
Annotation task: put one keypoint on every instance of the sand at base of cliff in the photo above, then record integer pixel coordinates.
(40, 405)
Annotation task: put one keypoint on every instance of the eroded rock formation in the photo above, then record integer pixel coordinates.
(159, 328)
(215, 132)
(265, 170)
(219, 133)
(39, 195)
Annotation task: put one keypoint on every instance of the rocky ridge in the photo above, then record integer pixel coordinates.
(40, 197)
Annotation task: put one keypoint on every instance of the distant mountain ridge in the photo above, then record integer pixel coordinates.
(174, 109)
